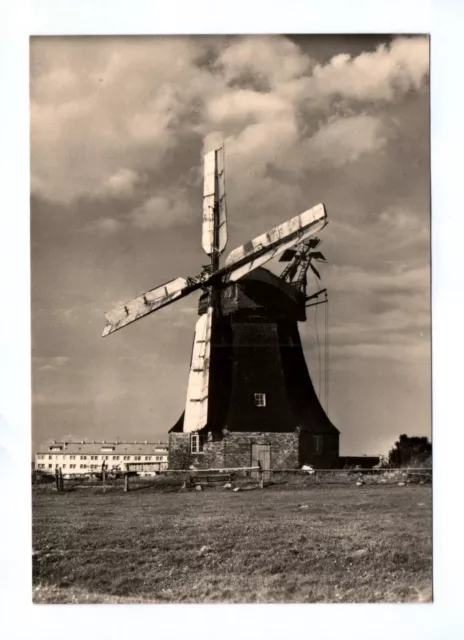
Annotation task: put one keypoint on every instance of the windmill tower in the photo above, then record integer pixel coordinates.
(250, 397)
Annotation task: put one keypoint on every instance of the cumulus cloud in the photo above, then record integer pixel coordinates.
(123, 105)
(269, 60)
(381, 75)
(344, 140)
(121, 183)
(160, 211)
(123, 102)
(245, 107)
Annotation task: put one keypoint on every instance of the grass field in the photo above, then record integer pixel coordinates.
(313, 544)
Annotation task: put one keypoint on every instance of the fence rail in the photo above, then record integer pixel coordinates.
(192, 477)
(218, 470)
(302, 471)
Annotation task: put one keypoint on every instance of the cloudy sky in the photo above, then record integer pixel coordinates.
(118, 130)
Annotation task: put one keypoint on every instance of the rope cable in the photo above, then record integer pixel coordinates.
(327, 347)
(325, 358)
(327, 355)
(318, 343)
(318, 352)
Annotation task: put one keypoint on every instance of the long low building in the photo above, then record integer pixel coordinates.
(75, 458)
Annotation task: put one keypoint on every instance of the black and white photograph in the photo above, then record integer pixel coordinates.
(231, 319)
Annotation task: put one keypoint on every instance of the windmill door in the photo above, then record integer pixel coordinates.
(261, 453)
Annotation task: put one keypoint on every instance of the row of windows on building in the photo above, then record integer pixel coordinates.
(42, 456)
(71, 466)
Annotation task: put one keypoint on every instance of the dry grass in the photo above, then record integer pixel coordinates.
(313, 544)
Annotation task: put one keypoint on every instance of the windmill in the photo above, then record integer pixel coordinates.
(222, 287)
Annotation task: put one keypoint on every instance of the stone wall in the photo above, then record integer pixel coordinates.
(180, 456)
(284, 449)
(233, 450)
(213, 453)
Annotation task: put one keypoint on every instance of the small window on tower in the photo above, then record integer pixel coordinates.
(260, 399)
(196, 443)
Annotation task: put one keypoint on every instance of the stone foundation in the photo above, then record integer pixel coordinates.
(283, 447)
(179, 456)
(233, 450)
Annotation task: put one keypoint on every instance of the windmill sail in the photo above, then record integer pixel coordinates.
(196, 406)
(214, 232)
(269, 245)
(146, 303)
(241, 261)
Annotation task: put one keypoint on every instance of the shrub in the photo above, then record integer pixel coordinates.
(409, 449)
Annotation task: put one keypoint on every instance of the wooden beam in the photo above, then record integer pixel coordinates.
(314, 304)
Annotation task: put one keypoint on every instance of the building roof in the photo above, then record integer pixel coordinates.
(103, 447)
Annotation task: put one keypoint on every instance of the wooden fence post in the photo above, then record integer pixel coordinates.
(126, 482)
(260, 475)
(57, 480)
(61, 481)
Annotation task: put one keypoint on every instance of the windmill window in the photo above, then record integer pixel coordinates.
(260, 399)
(196, 443)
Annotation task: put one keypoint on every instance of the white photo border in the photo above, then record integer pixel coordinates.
(443, 20)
